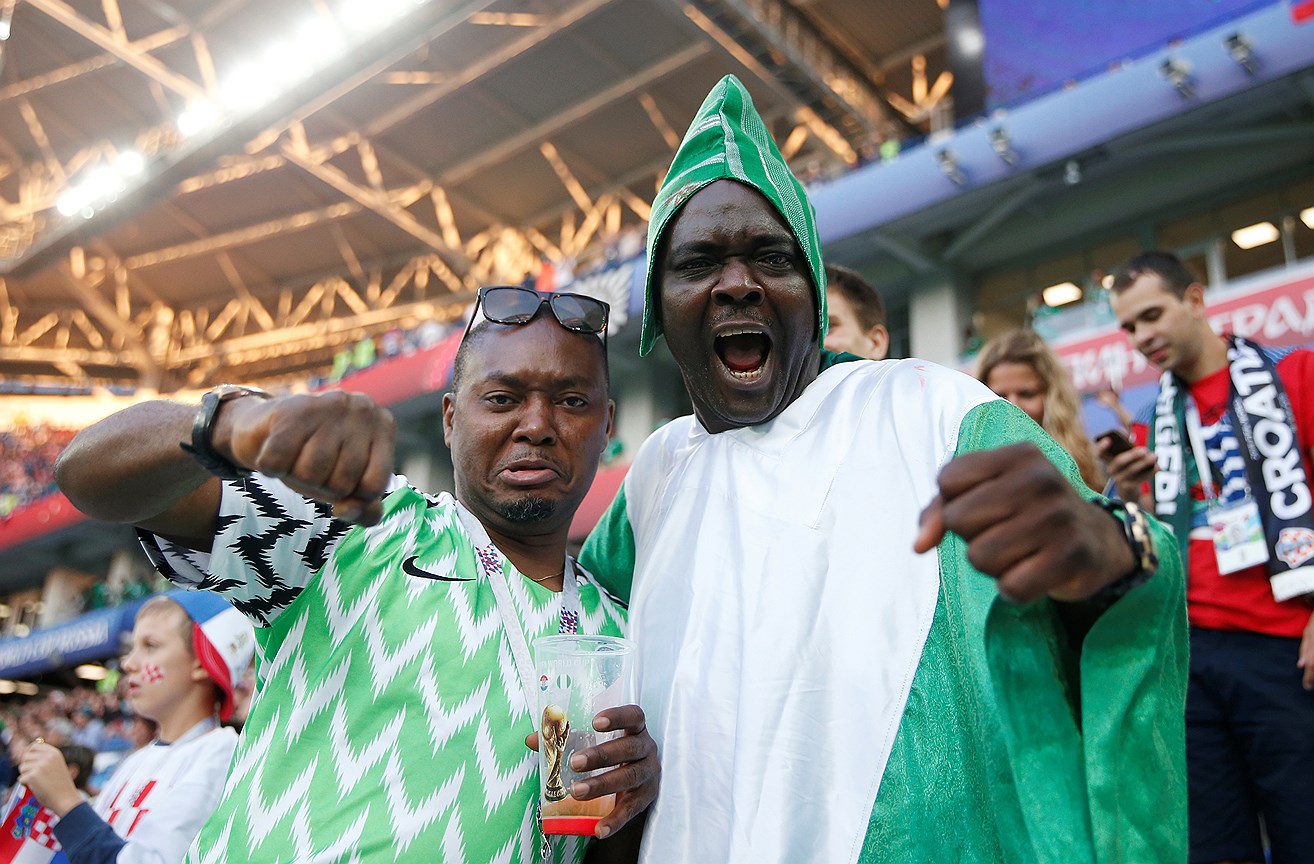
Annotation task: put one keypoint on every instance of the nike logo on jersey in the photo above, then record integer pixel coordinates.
(411, 570)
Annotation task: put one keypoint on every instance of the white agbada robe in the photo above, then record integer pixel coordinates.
(780, 610)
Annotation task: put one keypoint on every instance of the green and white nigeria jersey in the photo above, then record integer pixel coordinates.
(389, 721)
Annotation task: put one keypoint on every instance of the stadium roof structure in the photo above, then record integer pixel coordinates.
(195, 191)
(1094, 162)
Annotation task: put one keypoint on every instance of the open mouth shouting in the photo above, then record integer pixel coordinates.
(743, 350)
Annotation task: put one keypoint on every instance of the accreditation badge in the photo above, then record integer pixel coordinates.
(1238, 535)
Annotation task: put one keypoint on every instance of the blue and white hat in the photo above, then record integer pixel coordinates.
(222, 638)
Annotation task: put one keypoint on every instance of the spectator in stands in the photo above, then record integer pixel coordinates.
(393, 342)
(363, 354)
(79, 760)
(55, 725)
(187, 649)
(1112, 399)
(1021, 368)
(857, 315)
(128, 732)
(826, 693)
(526, 421)
(1225, 454)
(89, 731)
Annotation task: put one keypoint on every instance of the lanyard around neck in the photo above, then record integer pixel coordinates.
(1195, 435)
(490, 563)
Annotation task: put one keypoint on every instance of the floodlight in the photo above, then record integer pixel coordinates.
(971, 41)
(1061, 294)
(70, 202)
(285, 63)
(104, 183)
(198, 116)
(371, 14)
(130, 163)
(1255, 235)
(246, 88)
(318, 38)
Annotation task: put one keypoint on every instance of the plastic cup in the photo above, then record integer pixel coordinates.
(578, 676)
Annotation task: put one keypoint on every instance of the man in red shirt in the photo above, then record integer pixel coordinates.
(1224, 455)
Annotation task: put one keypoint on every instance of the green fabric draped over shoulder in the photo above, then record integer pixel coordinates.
(1003, 754)
(1013, 748)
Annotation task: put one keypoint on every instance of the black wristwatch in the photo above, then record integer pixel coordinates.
(1140, 538)
(203, 427)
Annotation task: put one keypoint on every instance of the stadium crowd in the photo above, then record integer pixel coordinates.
(97, 718)
(27, 463)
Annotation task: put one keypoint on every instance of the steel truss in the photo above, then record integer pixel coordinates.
(124, 332)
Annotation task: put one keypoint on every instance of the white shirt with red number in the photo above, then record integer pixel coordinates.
(159, 797)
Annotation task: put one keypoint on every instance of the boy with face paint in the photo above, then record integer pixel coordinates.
(828, 680)
(188, 651)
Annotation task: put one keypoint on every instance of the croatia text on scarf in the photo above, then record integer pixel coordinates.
(1259, 412)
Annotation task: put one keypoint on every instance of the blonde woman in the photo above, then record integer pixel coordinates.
(1021, 368)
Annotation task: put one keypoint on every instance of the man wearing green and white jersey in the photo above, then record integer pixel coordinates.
(821, 692)
(391, 712)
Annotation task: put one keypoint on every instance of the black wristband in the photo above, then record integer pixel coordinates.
(201, 449)
(1136, 528)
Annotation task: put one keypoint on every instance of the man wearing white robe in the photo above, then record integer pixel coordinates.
(820, 690)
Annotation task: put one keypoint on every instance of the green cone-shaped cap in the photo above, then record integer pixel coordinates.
(728, 140)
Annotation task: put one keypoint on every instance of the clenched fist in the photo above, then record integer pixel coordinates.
(1026, 526)
(334, 447)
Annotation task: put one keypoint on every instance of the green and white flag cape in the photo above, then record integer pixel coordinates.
(819, 692)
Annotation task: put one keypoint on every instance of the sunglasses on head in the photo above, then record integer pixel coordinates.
(510, 304)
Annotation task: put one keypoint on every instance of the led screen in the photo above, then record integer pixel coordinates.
(1035, 47)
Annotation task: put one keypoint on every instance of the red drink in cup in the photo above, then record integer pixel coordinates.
(578, 676)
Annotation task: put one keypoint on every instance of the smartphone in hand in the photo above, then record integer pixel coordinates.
(1118, 442)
